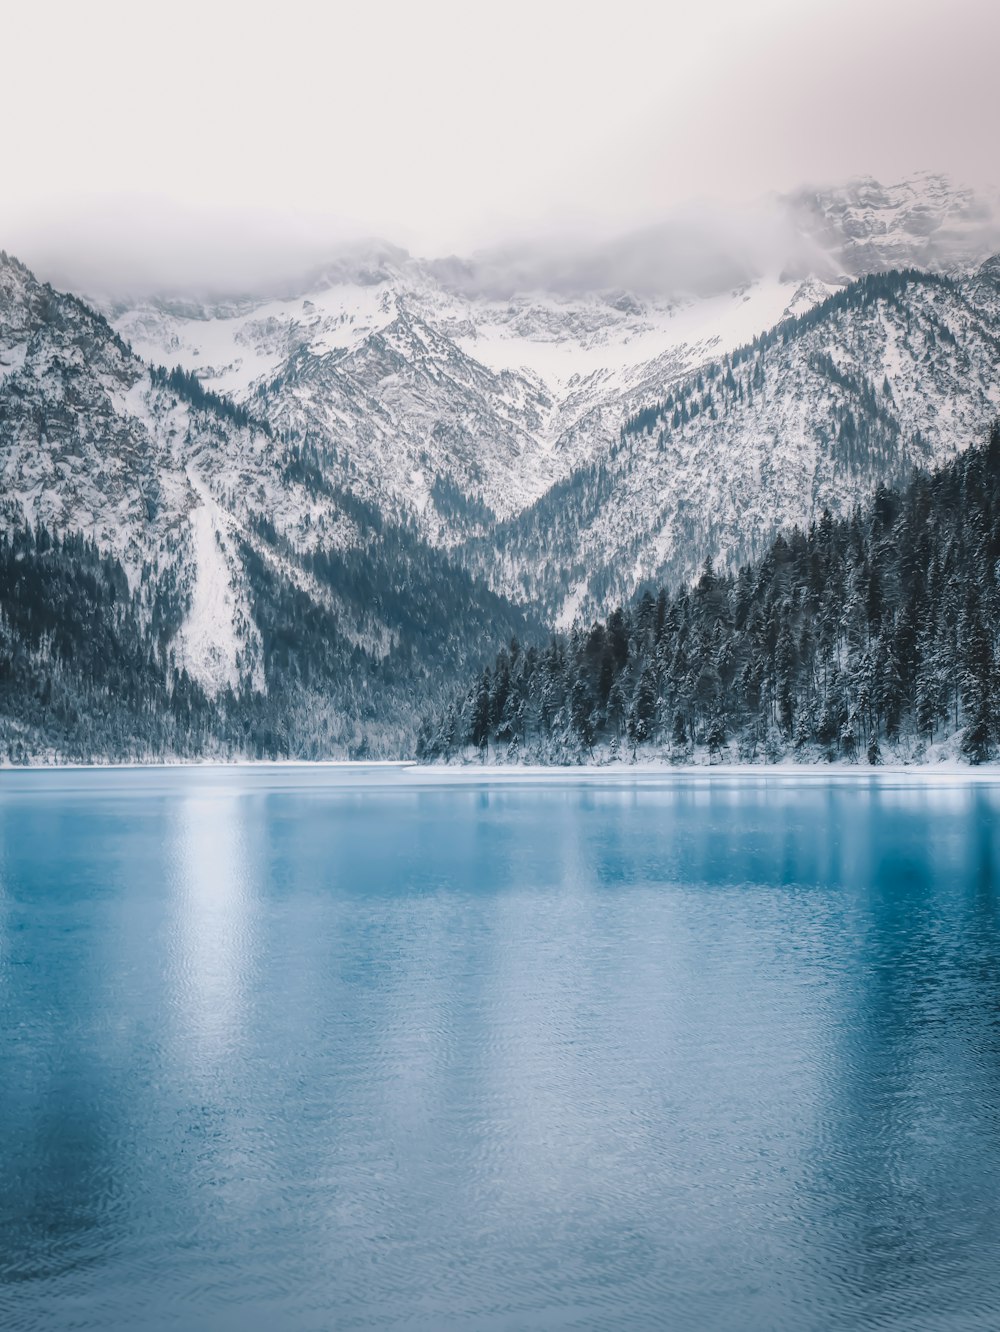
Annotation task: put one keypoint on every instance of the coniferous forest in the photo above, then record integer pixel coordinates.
(861, 639)
(87, 671)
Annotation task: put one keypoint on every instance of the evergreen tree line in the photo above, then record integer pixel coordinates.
(188, 386)
(861, 637)
(84, 670)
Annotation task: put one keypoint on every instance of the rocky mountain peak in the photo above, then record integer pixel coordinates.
(924, 221)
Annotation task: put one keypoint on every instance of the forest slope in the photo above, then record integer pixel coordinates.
(866, 635)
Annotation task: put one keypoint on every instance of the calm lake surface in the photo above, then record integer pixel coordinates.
(284, 1049)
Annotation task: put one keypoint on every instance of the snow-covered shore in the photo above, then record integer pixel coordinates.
(348, 771)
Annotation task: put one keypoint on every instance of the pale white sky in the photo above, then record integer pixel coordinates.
(203, 137)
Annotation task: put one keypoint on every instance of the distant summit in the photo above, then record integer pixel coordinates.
(923, 222)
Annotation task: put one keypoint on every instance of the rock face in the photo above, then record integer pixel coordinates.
(924, 222)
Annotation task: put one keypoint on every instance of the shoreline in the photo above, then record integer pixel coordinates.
(409, 771)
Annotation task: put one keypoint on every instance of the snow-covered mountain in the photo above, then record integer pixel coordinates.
(895, 371)
(563, 425)
(247, 572)
(419, 392)
(484, 376)
(90, 442)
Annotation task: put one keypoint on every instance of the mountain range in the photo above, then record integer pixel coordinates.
(325, 503)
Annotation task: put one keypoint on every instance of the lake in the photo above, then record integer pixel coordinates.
(289, 1048)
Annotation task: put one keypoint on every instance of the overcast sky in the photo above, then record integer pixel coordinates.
(158, 142)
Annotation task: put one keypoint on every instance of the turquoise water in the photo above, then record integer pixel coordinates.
(280, 1052)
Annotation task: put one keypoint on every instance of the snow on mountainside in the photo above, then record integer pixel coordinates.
(897, 370)
(243, 557)
(420, 395)
(450, 391)
(74, 449)
(89, 443)
(480, 406)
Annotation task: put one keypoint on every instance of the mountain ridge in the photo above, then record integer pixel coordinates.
(527, 385)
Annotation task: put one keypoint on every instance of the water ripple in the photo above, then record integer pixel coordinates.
(300, 1058)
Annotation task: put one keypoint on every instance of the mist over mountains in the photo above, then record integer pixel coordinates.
(701, 247)
(704, 250)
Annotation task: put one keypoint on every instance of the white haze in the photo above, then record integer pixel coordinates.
(221, 146)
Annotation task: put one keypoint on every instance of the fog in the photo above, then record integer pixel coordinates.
(231, 146)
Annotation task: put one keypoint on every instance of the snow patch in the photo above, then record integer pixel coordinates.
(570, 608)
(208, 643)
(12, 360)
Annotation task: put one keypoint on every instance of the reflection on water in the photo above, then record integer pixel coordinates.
(279, 1052)
(211, 873)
